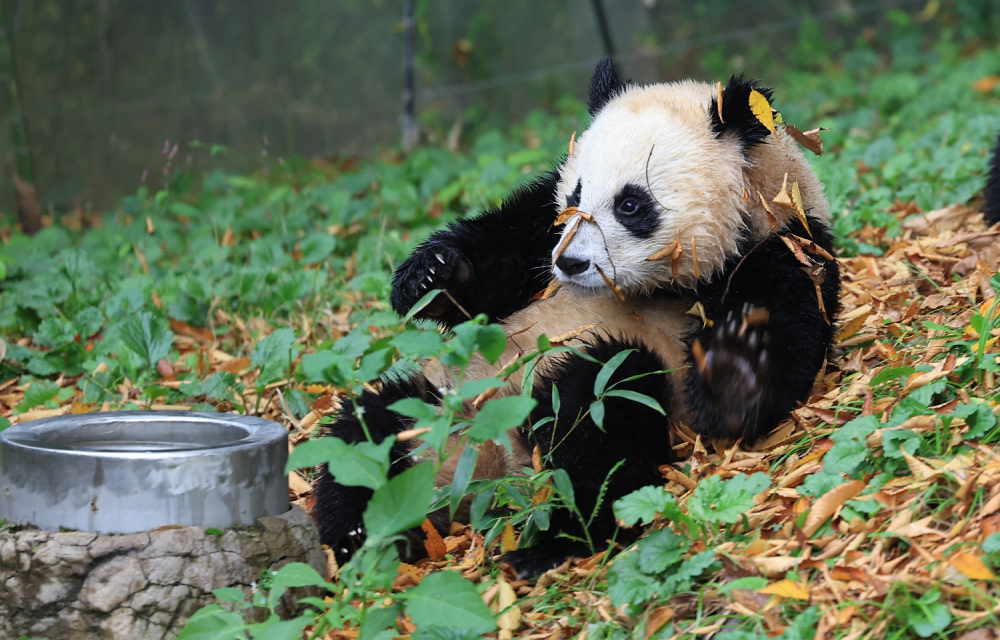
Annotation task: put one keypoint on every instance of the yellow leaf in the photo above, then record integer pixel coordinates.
(783, 199)
(786, 589)
(828, 503)
(510, 618)
(971, 566)
(508, 541)
(799, 209)
(762, 109)
(659, 617)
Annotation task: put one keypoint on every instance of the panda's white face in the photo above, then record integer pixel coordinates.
(649, 171)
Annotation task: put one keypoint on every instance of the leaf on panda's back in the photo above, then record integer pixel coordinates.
(783, 199)
(718, 99)
(799, 209)
(547, 292)
(761, 108)
(797, 250)
(771, 220)
(809, 139)
(811, 247)
(615, 289)
(817, 274)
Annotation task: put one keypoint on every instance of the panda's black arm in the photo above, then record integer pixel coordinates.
(751, 377)
(490, 263)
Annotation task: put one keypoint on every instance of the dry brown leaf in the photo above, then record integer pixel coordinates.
(572, 139)
(809, 139)
(852, 327)
(434, 544)
(572, 333)
(411, 572)
(666, 252)
(660, 615)
(536, 459)
(719, 90)
(615, 289)
(771, 220)
(783, 199)
(565, 215)
(694, 258)
(510, 616)
(795, 249)
(828, 503)
(811, 247)
(986, 84)
(566, 240)
(548, 291)
(410, 434)
(672, 474)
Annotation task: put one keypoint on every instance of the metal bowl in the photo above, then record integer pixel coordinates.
(131, 471)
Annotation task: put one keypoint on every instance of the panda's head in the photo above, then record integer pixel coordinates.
(659, 168)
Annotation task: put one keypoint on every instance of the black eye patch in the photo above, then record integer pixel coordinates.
(573, 200)
(636, 210)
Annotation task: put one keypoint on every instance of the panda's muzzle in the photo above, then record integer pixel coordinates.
(572, 266)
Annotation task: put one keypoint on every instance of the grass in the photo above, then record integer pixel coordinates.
(872, 512)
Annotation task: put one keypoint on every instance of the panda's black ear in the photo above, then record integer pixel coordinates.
(604, 86)
(737, 117)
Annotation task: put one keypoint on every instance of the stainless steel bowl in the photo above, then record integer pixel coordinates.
(131, 471)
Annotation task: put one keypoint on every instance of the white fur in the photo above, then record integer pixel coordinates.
(704, 186)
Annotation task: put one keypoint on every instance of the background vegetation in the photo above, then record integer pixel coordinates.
(258, 284)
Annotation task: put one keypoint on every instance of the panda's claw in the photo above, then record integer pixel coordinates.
(437, 267)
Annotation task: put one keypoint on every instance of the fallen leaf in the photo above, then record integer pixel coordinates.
(510, 613)
(771, 220)
(566, 240)
(828, 503)
(971, 566)
(799, 209)
(786, 589)
(565, 215)
(657, 618)
(508, 541)
(435, 546)
(986, 84)
(234, 366)
(548, 291)
(615, 289)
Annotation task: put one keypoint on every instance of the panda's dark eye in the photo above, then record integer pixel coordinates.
(628, 206)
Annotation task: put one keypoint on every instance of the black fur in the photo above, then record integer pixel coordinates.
(573, 199)
(604, 85)
(491, 263)
(992, 191)
(741, 397)
(737, 117)
(632, 432)
(339, 509)
(646, 218)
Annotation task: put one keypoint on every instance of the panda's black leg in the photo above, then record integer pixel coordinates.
(634, 435)
(768, 339)
(339, 508)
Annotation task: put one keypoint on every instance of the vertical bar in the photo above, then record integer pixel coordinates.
(605, 29)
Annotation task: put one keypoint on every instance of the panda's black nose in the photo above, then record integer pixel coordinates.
(572, 266)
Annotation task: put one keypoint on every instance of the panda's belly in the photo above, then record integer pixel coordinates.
(659, 322)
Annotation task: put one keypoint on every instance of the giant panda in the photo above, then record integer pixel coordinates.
(733, 327)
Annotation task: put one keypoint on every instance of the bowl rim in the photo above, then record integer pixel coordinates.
(26, 436)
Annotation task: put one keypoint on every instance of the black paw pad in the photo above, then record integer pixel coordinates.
(733, 368)
(436, 267)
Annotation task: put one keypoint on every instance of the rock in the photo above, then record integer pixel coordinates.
(81, 586)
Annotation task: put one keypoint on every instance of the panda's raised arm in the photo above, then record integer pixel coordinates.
(490, 263)
(768, 337)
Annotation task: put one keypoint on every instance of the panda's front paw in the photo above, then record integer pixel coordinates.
(733, 370)
(436, 266)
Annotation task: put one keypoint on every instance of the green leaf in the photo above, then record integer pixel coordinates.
(183, 209)
(446, 600)
(498, 415)
(850, 445)
(463, 474)
(273, 355)
(37, 394)
(362, 464)
(926, 616)
(327, 366)
(414, 408)
(229, 594)
(401, 503)
(418, 344)
(374, 363)
(645, 505)
(661, 550)
(609, 368)
(751, 583)
(628, 584)
(316, 247)
(717, 500)
(980, 422)
(213, 623)
(421, 303)
(564, 485)
(597, 413)
(378, 619)
(146, 338)
(492, 341)
(88, 321)
(893, 439)
(295, 574)
(635, 396)
(280, 629)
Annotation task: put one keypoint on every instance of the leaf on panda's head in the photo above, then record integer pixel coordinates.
(783, 199)
(718, 100)
(761, 108)
(799, 209)
(809, 139)
(566, 240)
(615, 289)
(572, 139)
(565, 215)
(767, 209)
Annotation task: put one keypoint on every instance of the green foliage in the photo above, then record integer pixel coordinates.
(718, 500)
